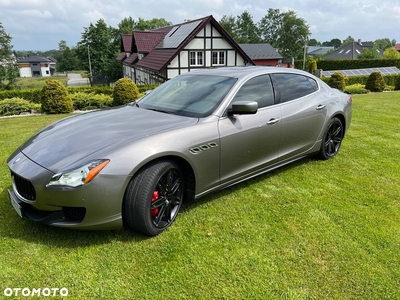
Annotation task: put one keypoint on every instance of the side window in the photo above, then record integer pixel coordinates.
(257, 89)
(293, 86)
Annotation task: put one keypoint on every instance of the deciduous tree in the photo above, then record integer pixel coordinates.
(67, 59)
(101, 44)
(8, 64)
(285, 31)
(391, 53)
(151, 24)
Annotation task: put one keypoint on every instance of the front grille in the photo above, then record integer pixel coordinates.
(24, 187)
(74, 214)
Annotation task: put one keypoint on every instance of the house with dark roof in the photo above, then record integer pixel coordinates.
(31, 66)
(397, 47)
(318, 50)
(351, 51)
(154, 56)
(262, 54)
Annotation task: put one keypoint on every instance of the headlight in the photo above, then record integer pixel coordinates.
(79, 176)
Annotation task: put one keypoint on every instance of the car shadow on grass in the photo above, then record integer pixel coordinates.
(189, 205)
(13, 227)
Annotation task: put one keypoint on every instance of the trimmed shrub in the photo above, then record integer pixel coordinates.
(16, 106)
(337, 81)
(312, 66)
(397, 83)
(55, 98)
(356, 89)
(125, 91)
(105, 90)
(375, 82)
(84, 101)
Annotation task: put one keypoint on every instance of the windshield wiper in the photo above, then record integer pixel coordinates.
(161, 111)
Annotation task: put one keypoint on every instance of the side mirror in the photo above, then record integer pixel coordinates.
(243, 108)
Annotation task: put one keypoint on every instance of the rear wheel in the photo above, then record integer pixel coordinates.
(153, 198)
(332, 139)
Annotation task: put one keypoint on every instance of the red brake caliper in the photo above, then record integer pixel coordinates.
(154, 211)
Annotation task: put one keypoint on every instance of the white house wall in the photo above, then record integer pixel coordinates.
(45, 71)
(25, 72)
(208, 40)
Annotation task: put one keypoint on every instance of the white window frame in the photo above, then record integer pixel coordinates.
(219, 59)
(196, 58)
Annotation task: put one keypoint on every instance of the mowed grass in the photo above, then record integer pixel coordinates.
(39, 82)
(311, 230)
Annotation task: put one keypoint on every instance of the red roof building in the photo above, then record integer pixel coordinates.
(153, 57)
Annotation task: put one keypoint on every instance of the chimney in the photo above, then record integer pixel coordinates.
(359, 42)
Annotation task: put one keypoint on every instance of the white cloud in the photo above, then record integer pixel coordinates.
(28, 19)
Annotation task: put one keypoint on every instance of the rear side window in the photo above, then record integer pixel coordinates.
(258, 89)
(294, 86)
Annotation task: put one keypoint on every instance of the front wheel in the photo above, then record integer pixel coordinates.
(153, 198)
(332, 139)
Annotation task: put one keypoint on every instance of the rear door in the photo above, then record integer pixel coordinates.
(303, 112)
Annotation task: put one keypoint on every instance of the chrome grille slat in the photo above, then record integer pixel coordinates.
(23, 188)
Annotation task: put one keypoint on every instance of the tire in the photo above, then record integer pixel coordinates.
(153, 198)
(332, 139)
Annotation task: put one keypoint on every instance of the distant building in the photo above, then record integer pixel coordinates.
(351, 51)
(318, 50)
(262, 54)
(32, 66)
(397, 47)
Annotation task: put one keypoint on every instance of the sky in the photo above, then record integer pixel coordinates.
(41, 24)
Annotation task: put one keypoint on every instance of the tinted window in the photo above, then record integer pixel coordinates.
(293, 86)
(257, 89)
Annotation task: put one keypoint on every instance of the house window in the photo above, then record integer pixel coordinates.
(46, 65)
(34, 64)
(218, 58)
(196, 58)
(47, 72)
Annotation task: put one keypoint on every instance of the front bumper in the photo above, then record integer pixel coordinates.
(95, 206)
(68, 215)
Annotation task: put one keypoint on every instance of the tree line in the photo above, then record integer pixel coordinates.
(285, 31)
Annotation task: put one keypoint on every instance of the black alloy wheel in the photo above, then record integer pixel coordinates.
(154, 197)
(332, 139)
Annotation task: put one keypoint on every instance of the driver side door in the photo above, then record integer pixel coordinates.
(250, 142)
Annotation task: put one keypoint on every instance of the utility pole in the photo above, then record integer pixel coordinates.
(90, 64)
(305, 52)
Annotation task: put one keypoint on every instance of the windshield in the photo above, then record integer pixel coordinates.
(188, 95)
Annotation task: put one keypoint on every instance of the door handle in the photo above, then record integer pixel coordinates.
(273, 121)
(321, 107)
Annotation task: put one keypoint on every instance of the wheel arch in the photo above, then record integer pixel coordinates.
(186, 168)
(342, 119)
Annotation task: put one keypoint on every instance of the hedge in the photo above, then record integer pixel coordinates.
(33, 95)
(350, 80)
(349, 64)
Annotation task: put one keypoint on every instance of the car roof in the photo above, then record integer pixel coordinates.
(241, 72)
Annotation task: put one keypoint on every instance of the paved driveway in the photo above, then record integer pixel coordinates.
(77, 80)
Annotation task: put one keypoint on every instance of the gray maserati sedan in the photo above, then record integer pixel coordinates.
(133, 166)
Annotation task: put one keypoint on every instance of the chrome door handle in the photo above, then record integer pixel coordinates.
(321, 107)
(273, 121)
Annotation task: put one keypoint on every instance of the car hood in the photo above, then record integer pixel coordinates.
(93, 135)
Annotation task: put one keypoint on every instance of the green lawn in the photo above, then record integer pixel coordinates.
(311, 230)
(38, 82)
